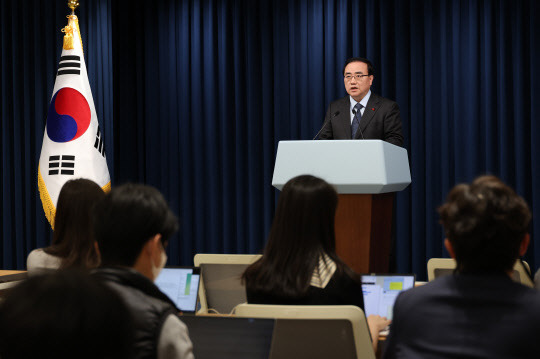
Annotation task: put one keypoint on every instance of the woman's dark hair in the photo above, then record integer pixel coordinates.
(485, 222)
(65, 314)
(127, 218)
(302, 232)
(73, 239)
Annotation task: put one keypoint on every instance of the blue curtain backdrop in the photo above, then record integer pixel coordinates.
(195, 95)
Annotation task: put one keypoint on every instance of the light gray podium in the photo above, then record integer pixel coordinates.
(365, 173)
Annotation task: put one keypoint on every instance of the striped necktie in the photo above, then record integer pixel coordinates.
(356, 119)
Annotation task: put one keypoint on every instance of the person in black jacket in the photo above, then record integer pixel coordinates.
(299, 263)
(479, 311)
(362, 115)
(132, 227)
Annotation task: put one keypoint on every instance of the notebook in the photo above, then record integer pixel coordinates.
(181, 285)
(381, 290)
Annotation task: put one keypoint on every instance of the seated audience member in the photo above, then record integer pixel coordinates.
(64, 314)
(73, 242)
(133, 224)
(299, 264)
(478, 312)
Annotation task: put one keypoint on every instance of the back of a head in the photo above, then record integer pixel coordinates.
(73, 239)
(304, 216)
(302, 230)
(485, 222)
(127, 218)
(66, 314)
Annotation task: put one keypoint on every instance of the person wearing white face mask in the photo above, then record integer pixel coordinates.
(132, 227)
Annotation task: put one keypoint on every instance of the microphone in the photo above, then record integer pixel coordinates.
(326, 123)
(359, 129)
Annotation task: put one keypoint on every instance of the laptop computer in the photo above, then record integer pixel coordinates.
(223, 285)
(381, 290)
(181, 285)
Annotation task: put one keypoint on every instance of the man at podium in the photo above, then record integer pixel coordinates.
(362, 115)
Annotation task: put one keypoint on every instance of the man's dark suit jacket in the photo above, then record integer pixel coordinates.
(380, 121)
(466, 316)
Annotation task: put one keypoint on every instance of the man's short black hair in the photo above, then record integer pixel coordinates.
(370, 68)
(485, 222)
(127, 218)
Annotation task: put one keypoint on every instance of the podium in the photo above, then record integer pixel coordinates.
(365, 173)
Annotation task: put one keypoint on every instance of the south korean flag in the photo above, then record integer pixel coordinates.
(69, 149)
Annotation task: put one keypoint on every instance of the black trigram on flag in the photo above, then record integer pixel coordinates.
(69, 65)
(64, 165)
(99, 145)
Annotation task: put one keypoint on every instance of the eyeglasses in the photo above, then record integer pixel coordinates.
(357, 76)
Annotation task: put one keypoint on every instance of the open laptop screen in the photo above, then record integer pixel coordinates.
(181, 285)
(381, 290)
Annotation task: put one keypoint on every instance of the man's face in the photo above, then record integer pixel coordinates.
(357, 88)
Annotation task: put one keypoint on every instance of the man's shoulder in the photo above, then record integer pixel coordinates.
(459, 286)
(444, 286)
(121, 275)
(378, 99)
(528, 296)
(344, 101)
(417, 293)
(134, 286)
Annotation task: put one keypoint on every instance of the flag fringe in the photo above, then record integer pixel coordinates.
(107, 187)
(48, 205)
(76, 22)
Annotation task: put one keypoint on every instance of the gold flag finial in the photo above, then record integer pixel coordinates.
(73, 4)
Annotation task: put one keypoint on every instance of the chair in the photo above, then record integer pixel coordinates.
(313, 331)
(221, 288)
(443, 266)
(217, 336)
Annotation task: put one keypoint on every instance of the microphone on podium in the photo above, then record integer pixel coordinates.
(326, 123)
